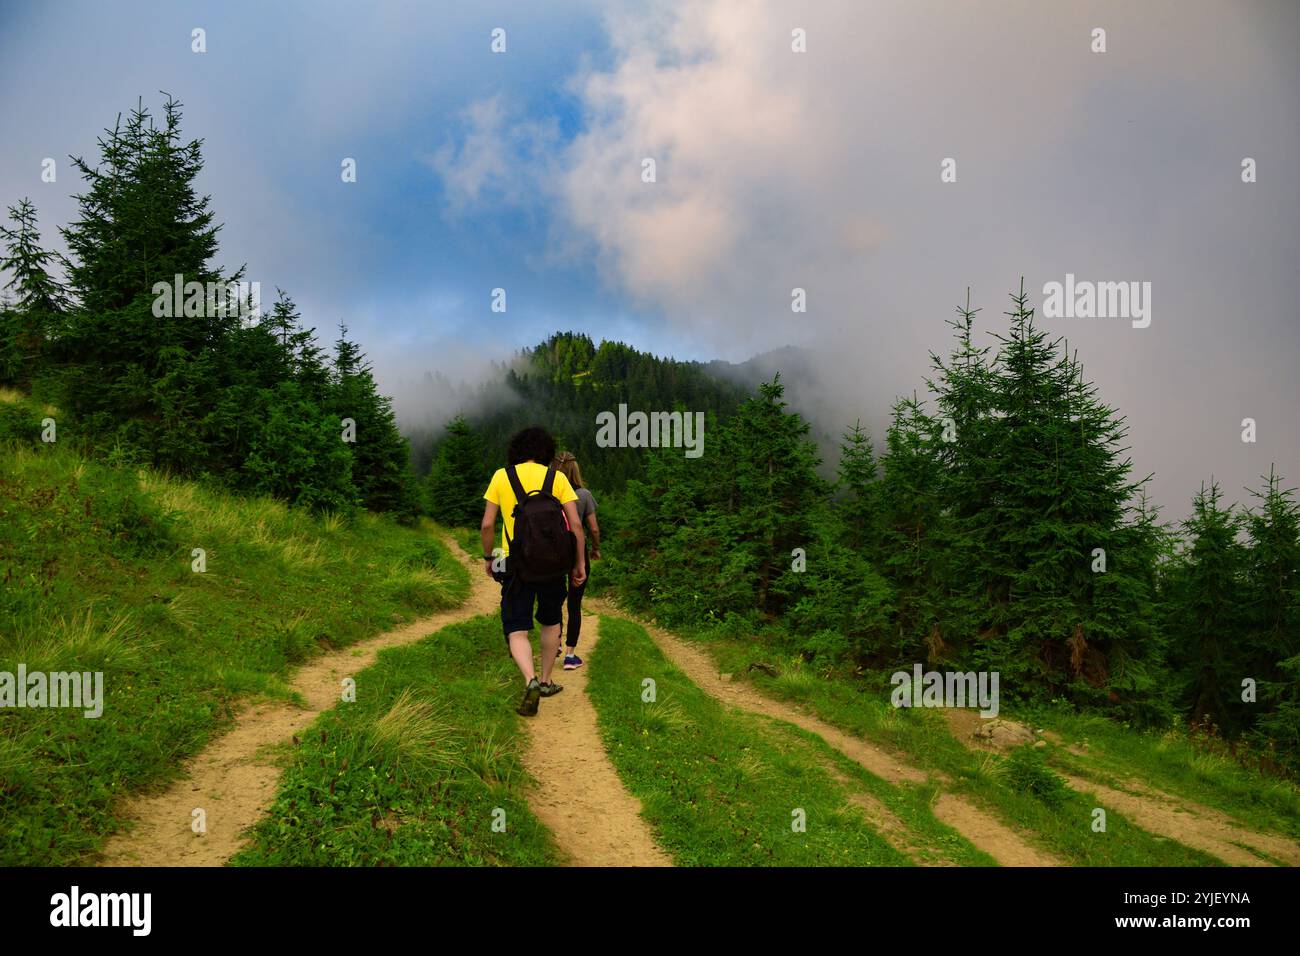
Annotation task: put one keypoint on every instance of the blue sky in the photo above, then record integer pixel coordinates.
(282, 95)
(775, 170)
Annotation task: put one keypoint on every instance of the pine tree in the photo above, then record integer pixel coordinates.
(1049, 574)
(915, 549)
(858, 507)
(142, 221)
(380, 456)
(131, 375)
(40, 300)
(961, 437)
(252, 362)
(1207, 621)
(1272, 612)
(298, 454)
(767, 489)
(456, 481)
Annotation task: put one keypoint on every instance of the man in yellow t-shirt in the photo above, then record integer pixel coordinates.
(527, 450)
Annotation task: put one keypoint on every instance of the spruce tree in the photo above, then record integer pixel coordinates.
(1138, 688)
(961, 438)
(142, 221)
(1051, 577)
(1273, 575)
(1207, 621)
(767, 490)
(298, 454)
(40, 301)
(915, 549)
(858, 505)
(255, 358)
(1272, 612)
(1279, 727)
(380, 455)
(711, 539)
(456, 481)
(839, 605)
(134, 376)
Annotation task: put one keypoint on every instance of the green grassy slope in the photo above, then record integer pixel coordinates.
(97, 565)
(1020, 790)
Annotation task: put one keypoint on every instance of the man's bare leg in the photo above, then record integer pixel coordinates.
(521, 649)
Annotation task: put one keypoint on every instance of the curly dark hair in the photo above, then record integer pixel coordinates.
(533, 443)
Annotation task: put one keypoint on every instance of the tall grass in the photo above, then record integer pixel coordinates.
(415, 772)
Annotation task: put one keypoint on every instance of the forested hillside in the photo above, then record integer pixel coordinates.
(1000, 529)
(566, 381)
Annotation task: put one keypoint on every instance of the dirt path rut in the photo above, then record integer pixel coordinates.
(579, 796)
(977, 825)
(1191, 824)
(233, 780)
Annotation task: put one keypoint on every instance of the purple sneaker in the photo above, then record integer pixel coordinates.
(572, 662)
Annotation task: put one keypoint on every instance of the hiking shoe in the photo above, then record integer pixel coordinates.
(532, 694)
(551, 689)
(572, 662)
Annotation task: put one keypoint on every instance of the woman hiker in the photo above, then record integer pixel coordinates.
(567, 465)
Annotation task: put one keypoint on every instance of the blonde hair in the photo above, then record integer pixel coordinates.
(568, 466)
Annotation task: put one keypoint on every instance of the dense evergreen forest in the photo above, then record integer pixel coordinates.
(997, 525)
(255, 404)
(1000, 528)
(564, 383)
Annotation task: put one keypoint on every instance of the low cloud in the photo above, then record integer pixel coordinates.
(821, 171)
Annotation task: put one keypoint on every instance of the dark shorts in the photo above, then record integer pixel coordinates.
(518, 599)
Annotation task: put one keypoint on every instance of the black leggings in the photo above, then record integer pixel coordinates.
(575, 614)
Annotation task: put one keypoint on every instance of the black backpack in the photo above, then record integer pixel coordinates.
(543, 549)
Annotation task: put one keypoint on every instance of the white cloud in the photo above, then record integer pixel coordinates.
(821, 170)
(498, 158)
(778, 169)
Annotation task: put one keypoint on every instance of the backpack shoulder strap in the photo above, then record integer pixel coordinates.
(549, 481)
(515, 485)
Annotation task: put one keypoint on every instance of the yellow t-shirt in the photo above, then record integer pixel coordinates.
(531, 476)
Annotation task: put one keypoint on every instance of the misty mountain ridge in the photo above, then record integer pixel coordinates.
(566, 380)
